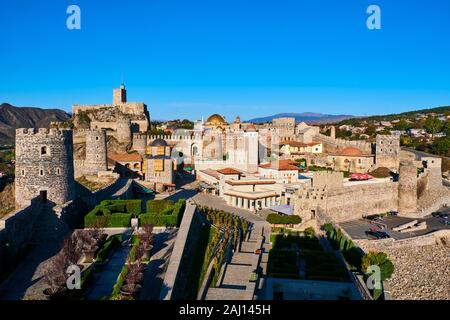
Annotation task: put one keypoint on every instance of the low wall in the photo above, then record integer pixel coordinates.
(424, 240)
(177, 274)
(16, 228)
(352, 202)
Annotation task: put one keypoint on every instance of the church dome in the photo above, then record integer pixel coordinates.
(216, 120)
(159, 143)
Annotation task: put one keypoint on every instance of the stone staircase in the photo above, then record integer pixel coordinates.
(234, 283)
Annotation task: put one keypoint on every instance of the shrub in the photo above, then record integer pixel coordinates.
(158, 220)
(158, 206)
(379, 259)
(119, 283)
(274, 218)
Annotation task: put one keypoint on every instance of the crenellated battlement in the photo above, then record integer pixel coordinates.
(43, 132)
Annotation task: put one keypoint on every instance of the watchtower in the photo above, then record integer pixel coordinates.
(388, 151)
(119, 95)
(44, 166)
(96, 152)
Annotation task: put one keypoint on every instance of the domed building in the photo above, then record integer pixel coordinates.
(159, 167)
(216, 121)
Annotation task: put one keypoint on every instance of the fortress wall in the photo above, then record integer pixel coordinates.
(352, 202)
(16, 228)
(333, 145)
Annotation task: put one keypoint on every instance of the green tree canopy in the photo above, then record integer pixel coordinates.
(381, 260)
(433, 125)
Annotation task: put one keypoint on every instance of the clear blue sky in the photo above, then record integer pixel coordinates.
(191, 58)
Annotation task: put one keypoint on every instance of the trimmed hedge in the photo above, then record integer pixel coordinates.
(274, 218)
(158, 206)
(128, 206)
(169, 214)
(116, 289)
(158, 220)
(107, 248)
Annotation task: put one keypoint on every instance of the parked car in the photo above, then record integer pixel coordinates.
(376, 235)
(393, 213)
(375, 217)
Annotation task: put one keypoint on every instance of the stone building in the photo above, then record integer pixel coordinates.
(388, 151)
(105, 116)
(285, 127)
(44, 166)
(160, 169)
(351, 159)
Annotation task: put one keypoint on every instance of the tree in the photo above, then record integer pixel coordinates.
(402, 125)
(381, 260)
(433, 125)
(441, 146)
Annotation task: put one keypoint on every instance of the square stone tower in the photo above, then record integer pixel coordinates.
(388, 151)
(119, 95)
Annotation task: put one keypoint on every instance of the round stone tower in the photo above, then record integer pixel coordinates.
(124, 130)
(44, 166)
(407, 188)
(96, 152)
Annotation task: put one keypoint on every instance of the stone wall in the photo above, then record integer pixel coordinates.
(16, 228)
(384, 244)
(333, 145)
(352, 202)
(180, 263)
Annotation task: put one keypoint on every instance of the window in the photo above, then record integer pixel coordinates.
(97, 138)
(23, 172)
(58, 171)
(41, 172)
(159, 165)
(45, 151)
(160, 151)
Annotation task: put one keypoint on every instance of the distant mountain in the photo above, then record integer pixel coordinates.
(308, 117)
(12, 117)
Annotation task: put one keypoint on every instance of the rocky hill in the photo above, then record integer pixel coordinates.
(12, 117)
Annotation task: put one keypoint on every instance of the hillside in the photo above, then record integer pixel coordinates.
(308, 117)
(403, 115)
(12, 117)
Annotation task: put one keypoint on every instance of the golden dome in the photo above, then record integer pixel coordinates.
(216, 120)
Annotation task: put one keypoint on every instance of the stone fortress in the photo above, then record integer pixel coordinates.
(221, 153)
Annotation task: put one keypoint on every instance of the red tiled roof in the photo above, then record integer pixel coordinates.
(352, 152)
(212, 173)
(248, 183)
(293, 144)
(229, 171)
(281, 165)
